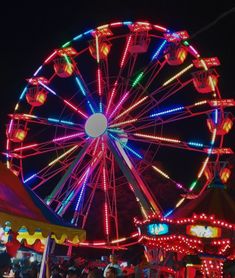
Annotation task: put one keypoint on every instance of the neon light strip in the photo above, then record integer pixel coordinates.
(195, 144)
(60, 121)
(23, 93)
(216, 116)
(126, 147)
(97, 48)
(167, 111)
(25, 147)
(91, 107)
(64, 138)
(194, 51)
(75, 108)
(103, 27)
(80, 86)
(37, 71)
(156, 54)
(16, 107)
(161, 28)
(82, 190)
(180, 202)
(127, 22)
(60, 211)
(106, 219)
(137, 80)
(157, 138)
(119, 240)
(111, 98)
(50, 57)
(31, 177)
(99, 81)
(63, 155)
(178, 75)
(115, 24)
(131, 107)
(77, 37)
(66, 44)
(125, 52)
(88, 32)
(119, 104)
(203, 167)
(46, 87)
(160, 172)
(101, 108)
(123, 123)
(192, 185)
(200, 102)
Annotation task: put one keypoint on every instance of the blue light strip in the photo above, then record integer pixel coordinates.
(101, 108)
(168, 213)
(60, 121)
(91, 107)
(88, 32)
(195, 144)
(80, 86)
(65, 203)
(126, 147)
(127, 22)
(23, 93)
(29, 178)
(216, 116)
(77, 37)
(82, 190)
(167, 111)
(156, 54)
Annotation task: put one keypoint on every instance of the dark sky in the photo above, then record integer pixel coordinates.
(31, 30)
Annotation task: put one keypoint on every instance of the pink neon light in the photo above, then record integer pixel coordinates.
(160, 28)
(25, 147)
(125, 52)
(194, 50)
(119, 104)
(8, 142)
(112, 95)
(68, 137)
(50, 57)
(10, 126)
(99, 81)
(106, 218)
(116, 24)
(75, 108)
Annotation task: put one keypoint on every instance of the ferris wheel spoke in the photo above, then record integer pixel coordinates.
(66, 176)
(79, 186)
(170, 142)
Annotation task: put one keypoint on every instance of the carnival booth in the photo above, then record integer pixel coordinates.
(25, 217)
(203, 228)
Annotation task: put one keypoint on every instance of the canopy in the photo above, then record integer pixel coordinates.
(213, 201)
(20, 206)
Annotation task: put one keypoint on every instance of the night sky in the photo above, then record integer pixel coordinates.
(31, 30)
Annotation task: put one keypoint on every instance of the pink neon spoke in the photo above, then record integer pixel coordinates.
(75, 108)
(119, 104)
(99, 82)
(64, 138)
(106, 220)
(112, 96)
(125, 52)
(25, 147)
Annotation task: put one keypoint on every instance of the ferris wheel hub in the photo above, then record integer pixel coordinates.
(96, 125)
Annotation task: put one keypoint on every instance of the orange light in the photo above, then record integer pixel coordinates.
(18, 135)
(62, 68)
(176, 56)
(225, 174)
(36, 96)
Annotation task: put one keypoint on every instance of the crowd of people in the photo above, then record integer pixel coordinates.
(63, 268)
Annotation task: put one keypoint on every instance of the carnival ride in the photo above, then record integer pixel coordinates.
(117, 109)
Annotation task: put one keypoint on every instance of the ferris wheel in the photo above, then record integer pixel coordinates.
(118, 109)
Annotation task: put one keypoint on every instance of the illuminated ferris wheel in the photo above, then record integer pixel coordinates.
(115, 110)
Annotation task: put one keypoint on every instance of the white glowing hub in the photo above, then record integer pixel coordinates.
(96, 125)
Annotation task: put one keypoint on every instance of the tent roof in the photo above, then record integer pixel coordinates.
(213, 201)
(23, 208)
